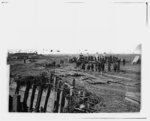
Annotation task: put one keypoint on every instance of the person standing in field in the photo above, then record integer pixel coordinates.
(118, 65)
(99, 66)
(109, 65)
(92, 66)
(115, 66)
(124, 62)
(83, 66)
(88, 66)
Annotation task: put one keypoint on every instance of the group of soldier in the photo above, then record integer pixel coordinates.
(100, 64)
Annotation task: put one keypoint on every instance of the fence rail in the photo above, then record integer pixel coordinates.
(65, 97)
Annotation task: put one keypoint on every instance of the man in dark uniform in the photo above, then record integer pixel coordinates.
(83, 66)
(99, 67)
(103, 65)
(124, 62)
(118, 65)
(109, 65)
(115, 66)
(92, 66)
(88, 66)
(96, 66)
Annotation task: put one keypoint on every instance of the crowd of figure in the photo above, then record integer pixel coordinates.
(100, 64)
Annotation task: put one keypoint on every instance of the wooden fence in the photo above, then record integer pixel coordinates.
(65, 97)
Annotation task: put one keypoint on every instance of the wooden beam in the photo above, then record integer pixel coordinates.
(60, 99)
(39, 98)
(32, 97)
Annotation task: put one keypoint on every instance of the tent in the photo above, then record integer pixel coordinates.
(136, 60)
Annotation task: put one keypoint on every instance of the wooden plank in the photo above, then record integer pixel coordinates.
(66, 105)
(73, 83)
(52, 97)
(39, 98)
(16, 103)
(60, 99)
(32, 97)
(53, 94)
(26, 94)
(47, 97)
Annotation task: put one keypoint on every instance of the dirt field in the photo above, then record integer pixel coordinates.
(117, 91)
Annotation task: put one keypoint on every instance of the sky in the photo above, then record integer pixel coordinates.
(92, 25)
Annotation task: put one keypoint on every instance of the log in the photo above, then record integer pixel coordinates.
(48, 92)
(26, 94)
(10, 103)
(32, 97)
(66, 105)
(60, 99)
(57, 96)
(16, 103)
(47, 97)
(73, 83)
(39, 98)
(18, 87)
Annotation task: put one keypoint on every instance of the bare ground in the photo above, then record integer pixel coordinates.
(117, 91)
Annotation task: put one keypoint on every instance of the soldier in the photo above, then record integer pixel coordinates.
(99, 67)
(109, 65)
(83, 66)
(95, 59)
(88, 67)
(78, 63)
(124, 62)
(118, 65)
(92, 66)
(54, 63)
(24, 60)
(115, 66)
(96, 66)
(98, 58)
(103, 65)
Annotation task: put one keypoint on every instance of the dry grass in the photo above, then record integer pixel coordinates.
(111, 96)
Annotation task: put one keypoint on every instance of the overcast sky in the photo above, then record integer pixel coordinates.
(92, 25)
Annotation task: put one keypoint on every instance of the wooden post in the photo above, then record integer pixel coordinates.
(18, 87)
(65, 109)
(55, 89)
(53, 93)
(26, 94)
(39, 98)
(48, 93)
(47, 97)
(71, 96)
(56, 104)
(60, 99)
(54, 82)
(16, 103)
(65, 99)
(10, 103)
(73, 83)
(32, 97)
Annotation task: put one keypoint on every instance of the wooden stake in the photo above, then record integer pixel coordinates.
(16, 103)
(39, 98)
(47, 97)
(48, 93)
(73, 83)
(18, 87)
(26, 97)
(32, 97)
(60, 99)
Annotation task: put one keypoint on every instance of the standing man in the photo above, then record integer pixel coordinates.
(109, 65)
(124, 62)
(118, 65)
(92, 66)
